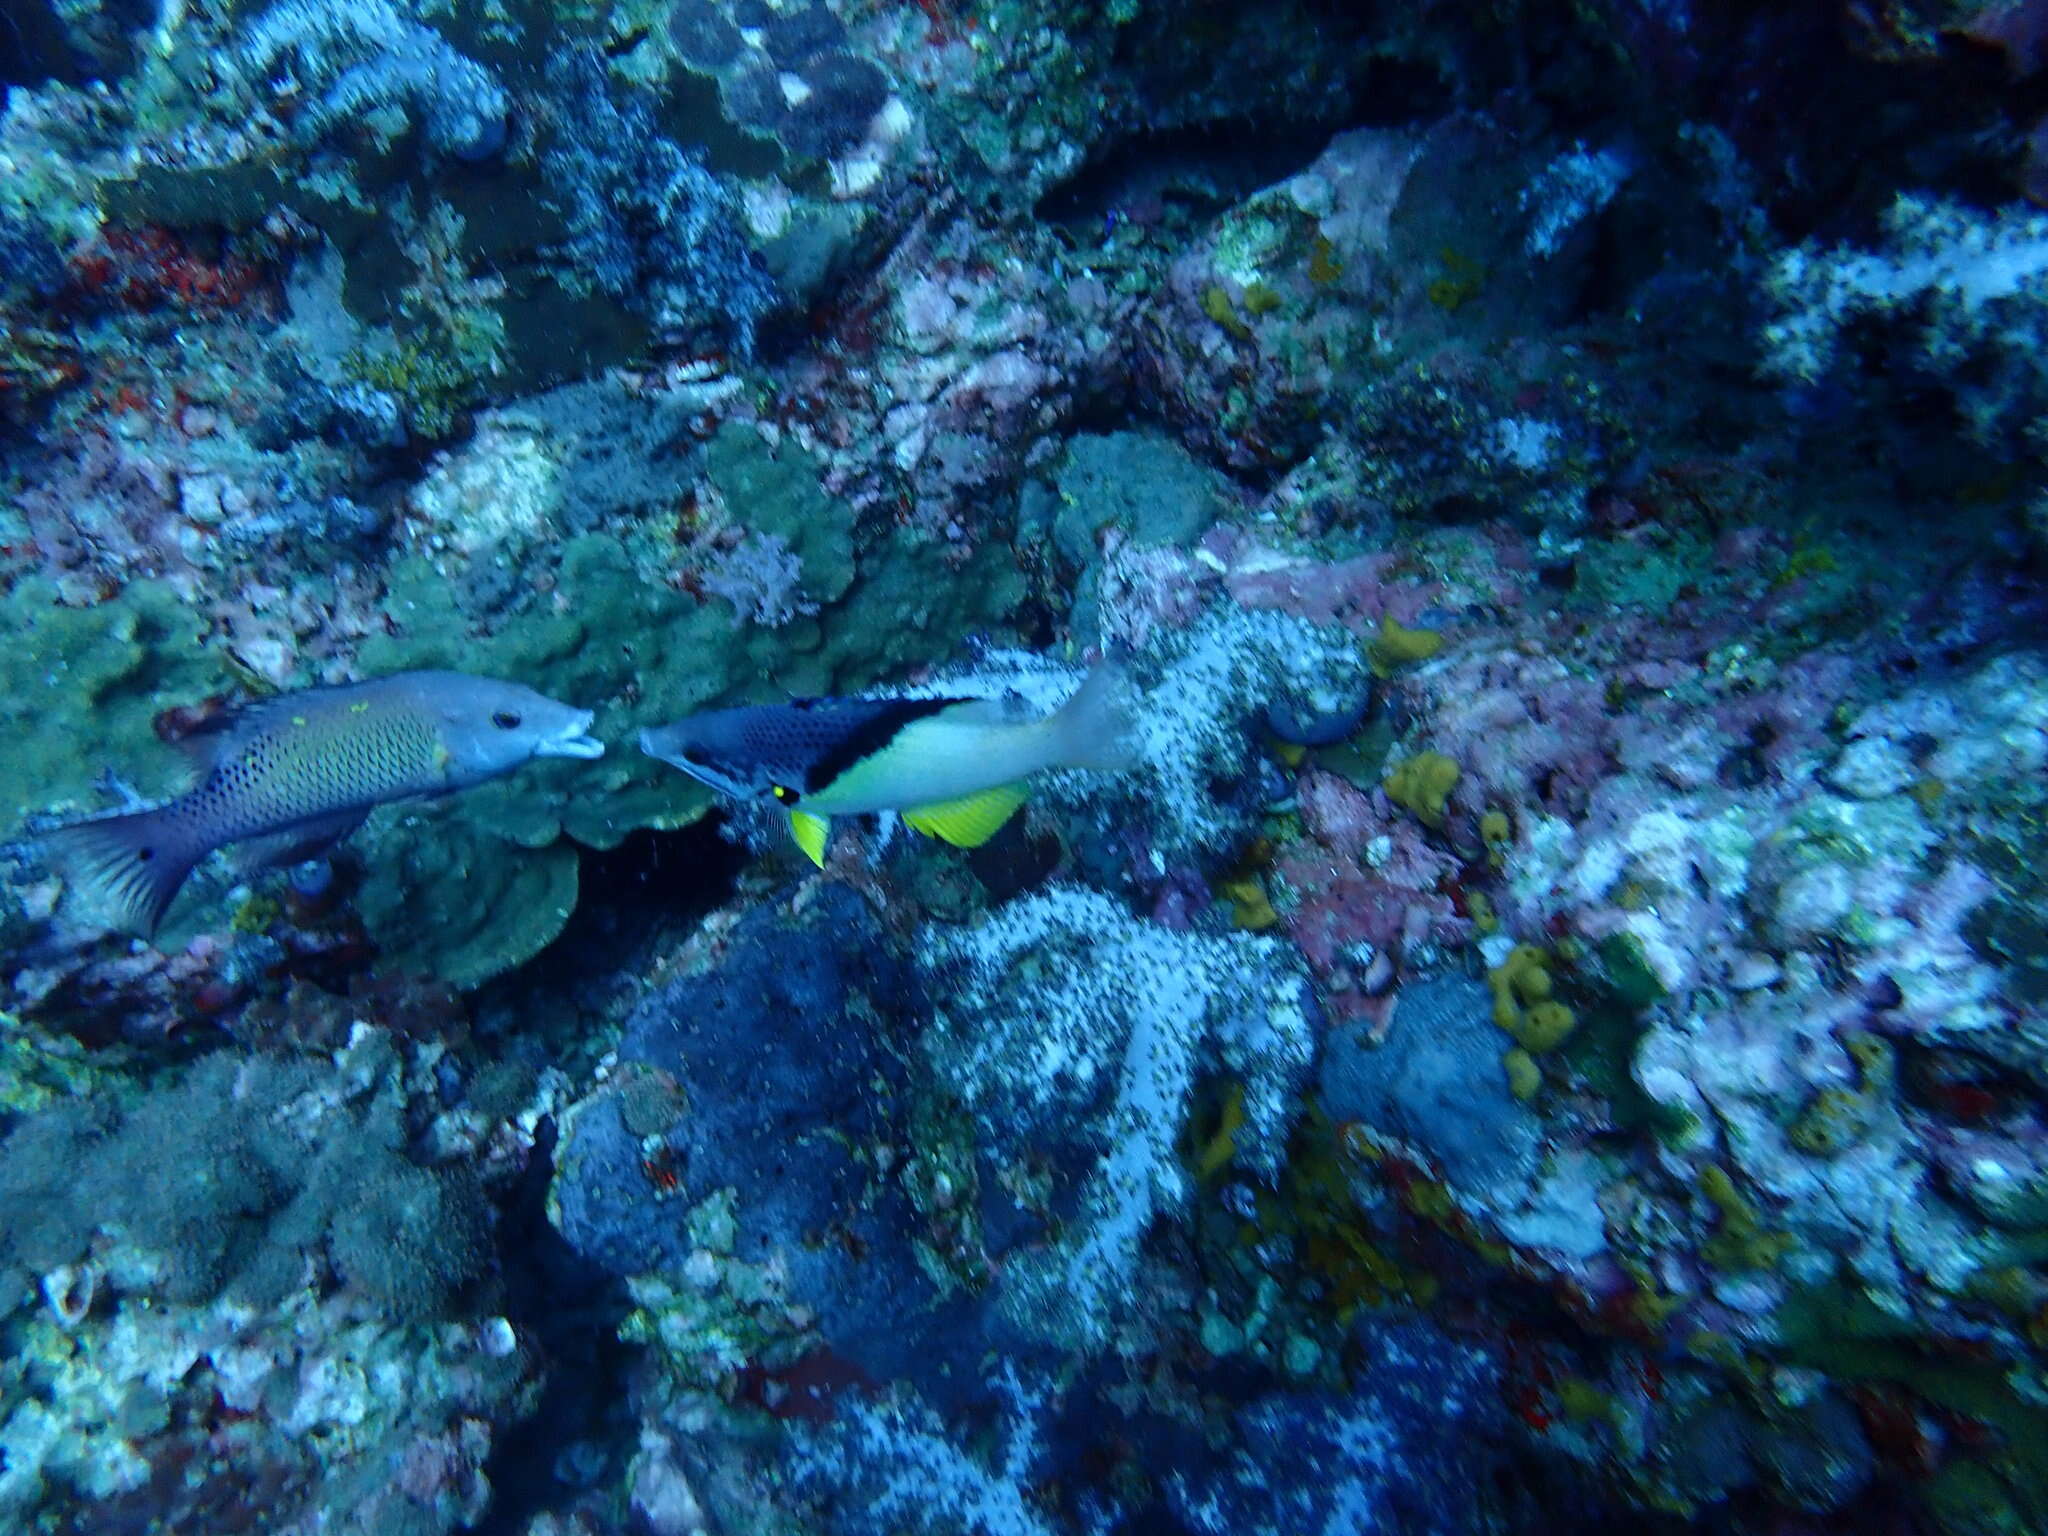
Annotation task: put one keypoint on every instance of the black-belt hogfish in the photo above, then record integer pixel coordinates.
(954, 767)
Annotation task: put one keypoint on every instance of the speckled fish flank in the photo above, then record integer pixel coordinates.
(304, 769)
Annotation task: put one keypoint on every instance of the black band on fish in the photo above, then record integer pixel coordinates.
(869, 737)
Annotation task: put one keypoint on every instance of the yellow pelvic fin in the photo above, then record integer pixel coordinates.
(810, 833)
(971, 820)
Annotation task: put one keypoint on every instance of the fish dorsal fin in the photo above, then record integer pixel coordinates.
(810, 833)
(971, 820)
(982, 712)
(212, 730)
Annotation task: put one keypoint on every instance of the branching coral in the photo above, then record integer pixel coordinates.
(646, 220)
(1063, 992)
(363, 55)
(1970, 289)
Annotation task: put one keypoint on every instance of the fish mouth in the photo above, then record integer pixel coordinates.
(574, 740)
(651, 743)
(655, 744)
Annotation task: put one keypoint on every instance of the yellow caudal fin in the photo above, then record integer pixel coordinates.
(971, 820)
(810, 833)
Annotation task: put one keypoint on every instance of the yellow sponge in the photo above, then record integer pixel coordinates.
(1423, 784)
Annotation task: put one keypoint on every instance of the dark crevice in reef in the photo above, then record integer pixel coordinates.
(653, 884)
(635, 898)
(567, 1311)
(38, 43)
(1186, 175)
(32, 46)
(658, 877)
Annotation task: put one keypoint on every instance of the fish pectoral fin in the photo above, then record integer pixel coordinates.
(307, 840)
(971, 820)
(810, 833)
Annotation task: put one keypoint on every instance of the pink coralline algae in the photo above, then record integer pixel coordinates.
(104, 511)
(942, 388)
(1358, 592)
(1366, 892)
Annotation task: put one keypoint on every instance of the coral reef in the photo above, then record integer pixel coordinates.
(334, 1353)
(1546, 1034)
(364, 56)
(1144, 1011)
(646, 222)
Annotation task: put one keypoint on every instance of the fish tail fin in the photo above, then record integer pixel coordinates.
(130, 867)
(1094, 728)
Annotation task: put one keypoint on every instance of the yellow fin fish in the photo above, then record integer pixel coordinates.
(954, 767)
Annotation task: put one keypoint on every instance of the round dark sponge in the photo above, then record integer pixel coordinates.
(846, 93)
(703, 35)
(792, 38)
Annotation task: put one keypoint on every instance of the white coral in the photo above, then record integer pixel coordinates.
(362, 55)
(1049, 995)
(1974, 279)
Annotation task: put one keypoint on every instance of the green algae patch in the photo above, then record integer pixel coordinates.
(1837, 1330)
(1525, 1077)
(2008, 929)
(1600, 1055)
(1208, 1142)
(521, 898)
(39, 1070)
(1457, 282)
(1836, 1119)
(80, 688)
(1325, 266)
(435, 374)
(775, 490)
(1619, 964)
(235, 197)
(1217, 306)
(917, 604)
(1261, 299)
(1740, 1239)
(1143, 484)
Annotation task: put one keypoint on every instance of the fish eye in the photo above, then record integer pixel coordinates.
(505, 720)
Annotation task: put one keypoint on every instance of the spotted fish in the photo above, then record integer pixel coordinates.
(288, 776)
